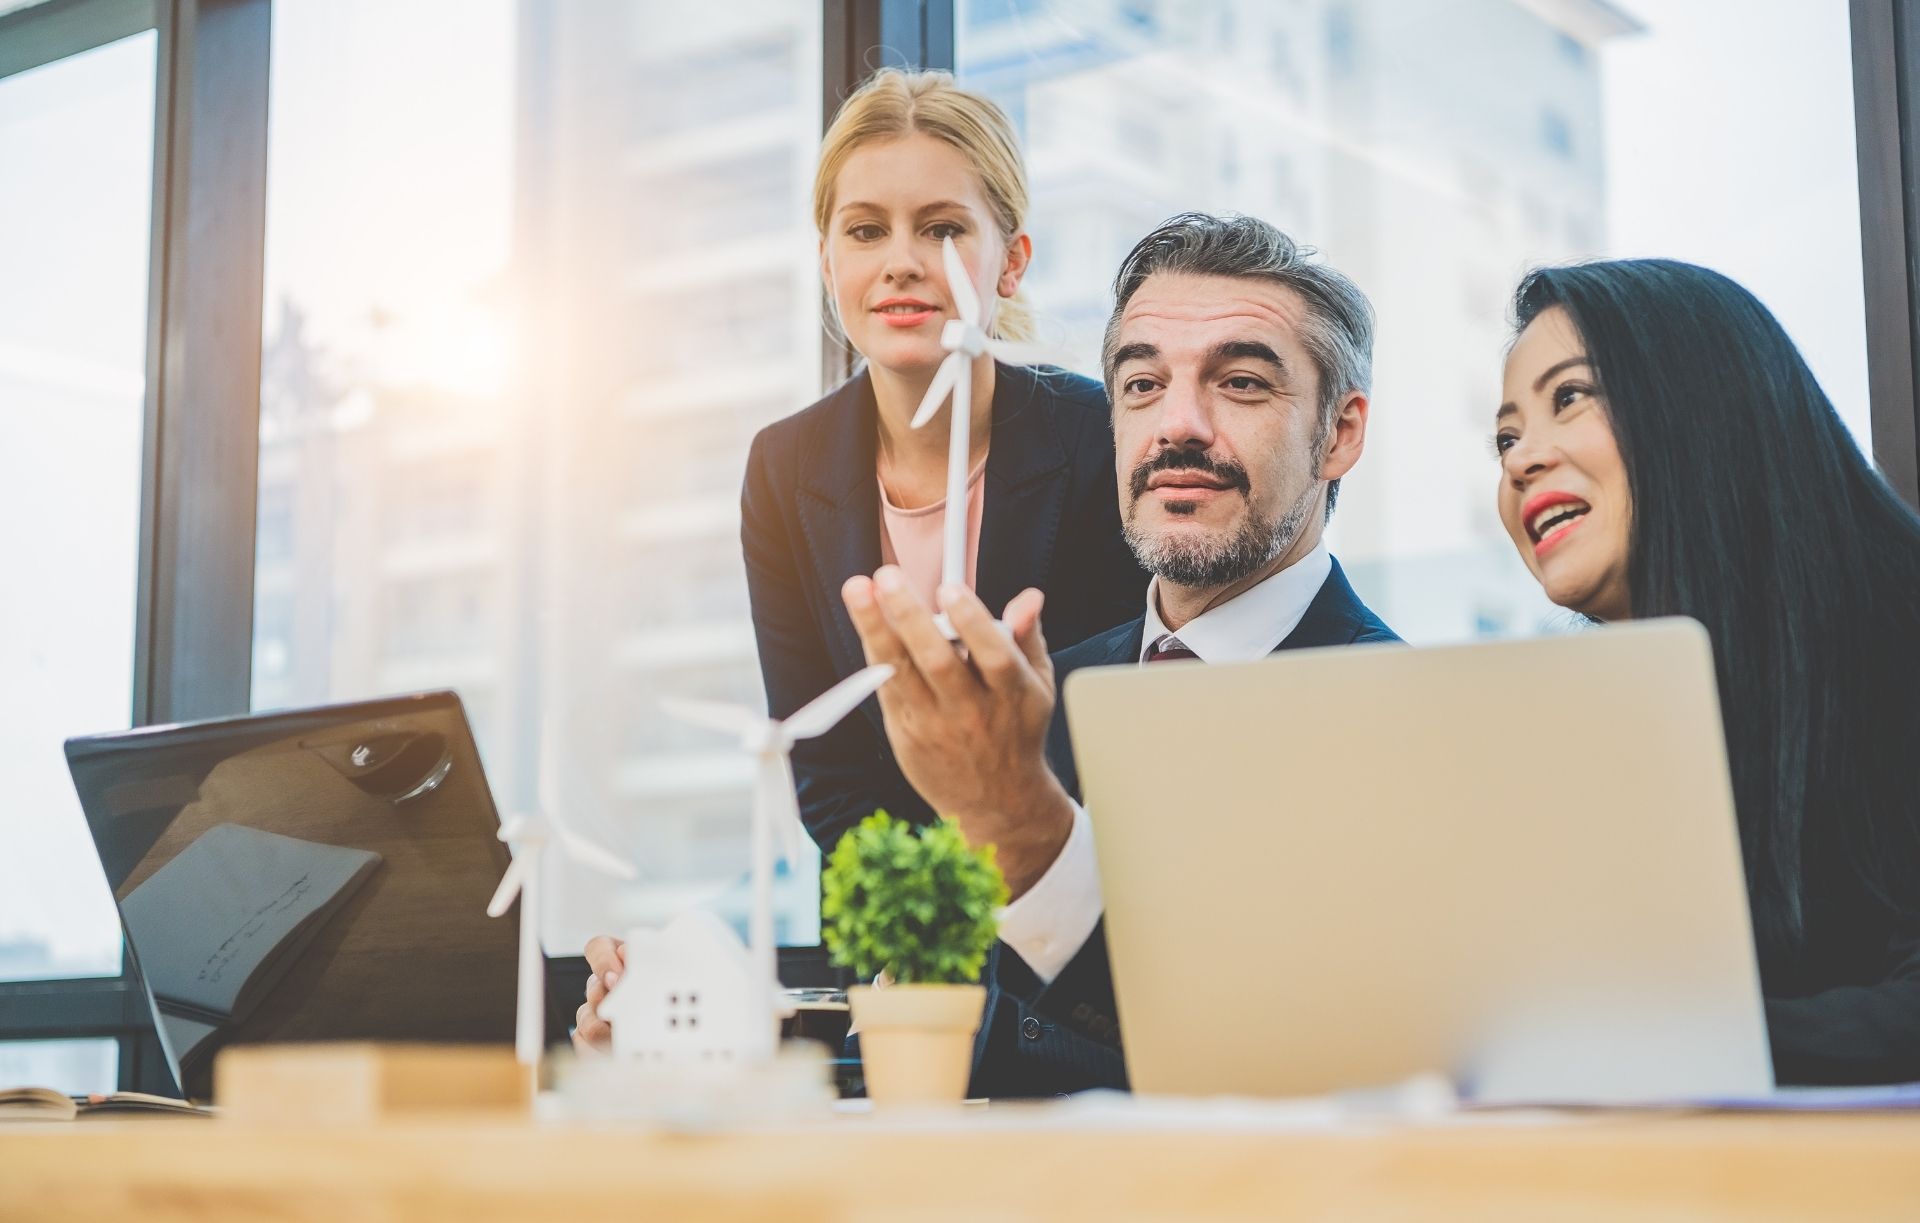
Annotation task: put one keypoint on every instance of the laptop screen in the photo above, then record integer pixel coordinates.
(308, 875)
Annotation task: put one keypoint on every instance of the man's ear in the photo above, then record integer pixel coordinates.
(1347, 438)
(1019, 256)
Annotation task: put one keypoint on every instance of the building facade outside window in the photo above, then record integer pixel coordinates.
(507, 401)
(1435, 152)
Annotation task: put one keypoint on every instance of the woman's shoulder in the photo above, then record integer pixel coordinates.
(1076, 406)
(831, 411)
(1073, 393)
(817, 433)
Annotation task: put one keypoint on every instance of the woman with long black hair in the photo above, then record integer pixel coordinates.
(1665, 450)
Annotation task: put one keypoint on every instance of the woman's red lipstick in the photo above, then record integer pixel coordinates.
(1539, 510)
(904, 311)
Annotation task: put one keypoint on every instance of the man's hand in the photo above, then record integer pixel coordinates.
(608, 959)
(970, 730)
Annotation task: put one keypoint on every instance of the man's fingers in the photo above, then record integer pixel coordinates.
(606, 957)
(988, 646)
(590, 1032)
(882, 644)
(939, 664)
(876, 635)
(1023, 621)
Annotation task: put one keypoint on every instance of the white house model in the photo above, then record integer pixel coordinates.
(687, 997)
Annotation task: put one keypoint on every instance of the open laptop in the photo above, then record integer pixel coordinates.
(307, 875)
(1514, 864)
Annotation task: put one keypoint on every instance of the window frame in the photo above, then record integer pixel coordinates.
(194, 597)
(1886, 100)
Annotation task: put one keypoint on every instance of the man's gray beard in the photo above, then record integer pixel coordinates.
(1204, 563)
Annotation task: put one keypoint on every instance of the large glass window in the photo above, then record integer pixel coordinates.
(1434, 152)
(76, 141)
(72, 1066)
(533, 282)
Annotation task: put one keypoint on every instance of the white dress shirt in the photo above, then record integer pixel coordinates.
(1053, 920)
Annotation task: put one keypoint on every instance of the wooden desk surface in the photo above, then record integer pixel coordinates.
(1611, 1166)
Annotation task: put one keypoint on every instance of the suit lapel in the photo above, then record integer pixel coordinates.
(1333, 618)
(840, 511)
(1123, 646)
(1026, 489)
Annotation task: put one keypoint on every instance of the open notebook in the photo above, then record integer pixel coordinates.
(46, 1104)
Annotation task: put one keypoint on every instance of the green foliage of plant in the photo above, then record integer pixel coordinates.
(919, 904)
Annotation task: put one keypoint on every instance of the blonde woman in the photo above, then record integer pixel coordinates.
(845, 486)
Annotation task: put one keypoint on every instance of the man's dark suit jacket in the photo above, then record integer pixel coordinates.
(1063, 1037)
(810, 519)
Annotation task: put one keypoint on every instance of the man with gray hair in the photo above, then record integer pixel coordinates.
(1238, 367)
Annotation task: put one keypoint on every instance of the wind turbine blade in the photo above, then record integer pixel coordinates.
(727, 719)
(824, 712)
(953, 527)
(509, 885)
(769, 779)
(588, 854)
(960, 283)
(514, 828)
(774, 803)
(938, 390)
(786, 822)
(577, 847)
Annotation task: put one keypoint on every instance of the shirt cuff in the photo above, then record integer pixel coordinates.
(1053, 920)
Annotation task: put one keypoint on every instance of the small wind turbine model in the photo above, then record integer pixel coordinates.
(964, 338)
(527, 837)
(776, 811)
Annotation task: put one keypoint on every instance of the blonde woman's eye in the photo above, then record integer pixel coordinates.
(864, 233)
(945, 229)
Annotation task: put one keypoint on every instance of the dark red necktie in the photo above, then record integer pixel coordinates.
(1169, 649)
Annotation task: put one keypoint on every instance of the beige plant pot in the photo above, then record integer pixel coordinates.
(916, 1041)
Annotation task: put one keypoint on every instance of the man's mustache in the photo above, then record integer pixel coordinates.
(1227, 472)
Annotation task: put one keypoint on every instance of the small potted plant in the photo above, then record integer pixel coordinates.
(914, 911)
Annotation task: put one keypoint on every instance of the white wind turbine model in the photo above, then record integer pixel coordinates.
(776, 808)
(528, 837)
(964, 338)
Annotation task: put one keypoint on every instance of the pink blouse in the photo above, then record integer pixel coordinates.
(915, 539)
